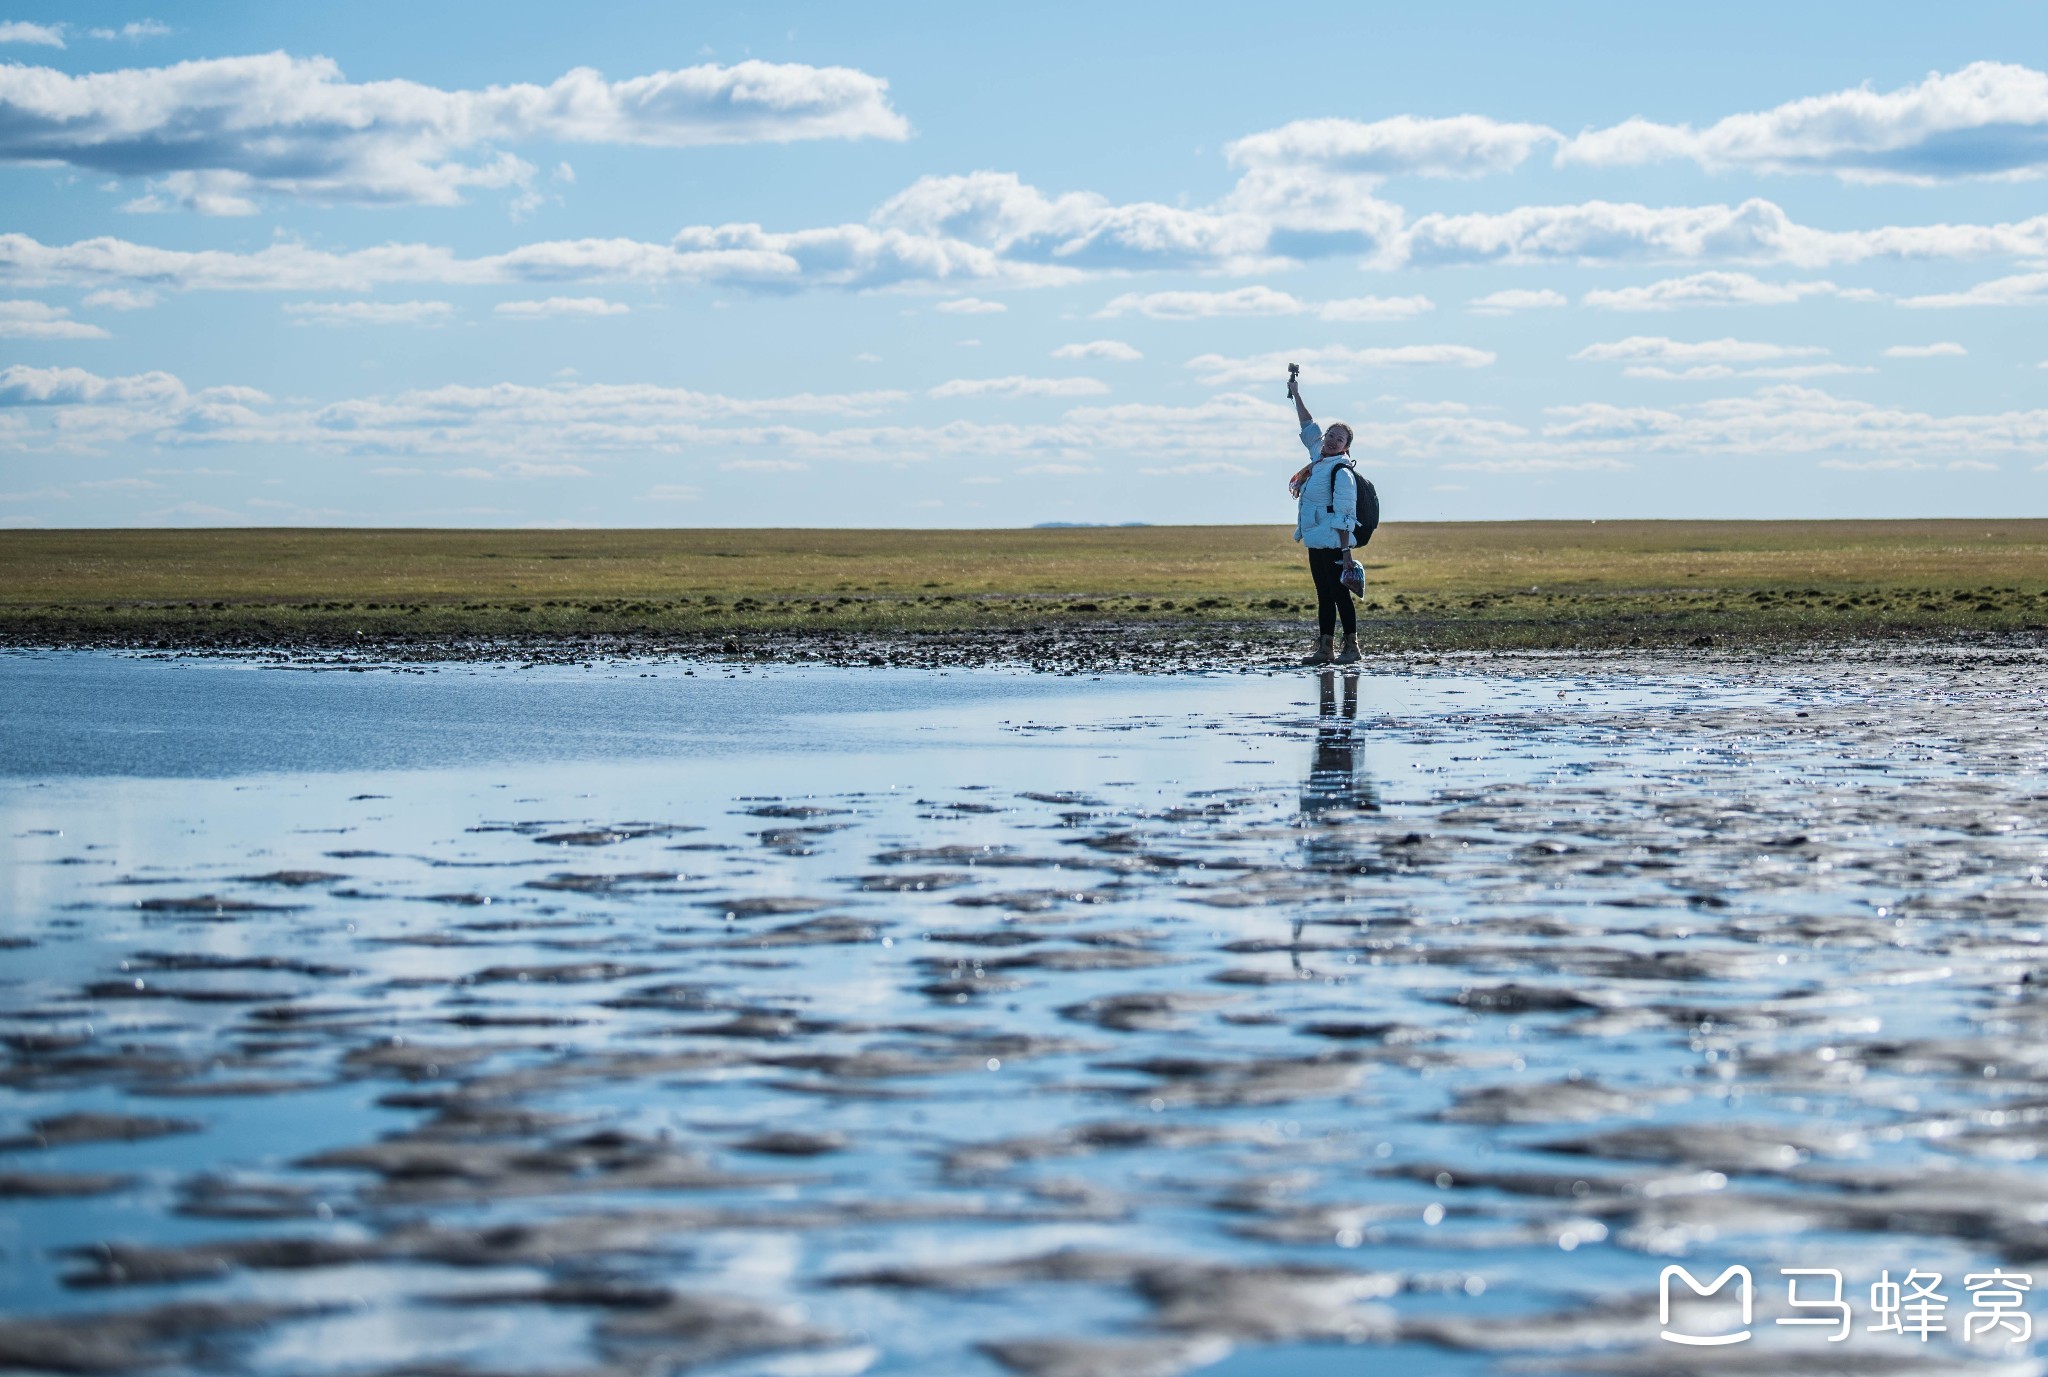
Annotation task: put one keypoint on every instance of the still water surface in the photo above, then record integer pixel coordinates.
(621, 1018)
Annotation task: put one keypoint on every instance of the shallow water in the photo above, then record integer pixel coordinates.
(627, 1019)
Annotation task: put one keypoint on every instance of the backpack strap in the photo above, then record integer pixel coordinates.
(1331, 505)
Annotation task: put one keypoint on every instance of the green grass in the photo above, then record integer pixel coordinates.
(1457, 584)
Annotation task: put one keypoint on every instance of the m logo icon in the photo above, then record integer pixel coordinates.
(1746, 1294)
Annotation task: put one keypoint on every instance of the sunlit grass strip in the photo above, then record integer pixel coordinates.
(1473, 584)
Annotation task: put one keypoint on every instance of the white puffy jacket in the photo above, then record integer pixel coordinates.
(1329, 499)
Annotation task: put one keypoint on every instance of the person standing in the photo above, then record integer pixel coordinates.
(1327, 496)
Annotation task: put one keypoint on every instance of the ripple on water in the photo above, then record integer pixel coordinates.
(1180, 1024)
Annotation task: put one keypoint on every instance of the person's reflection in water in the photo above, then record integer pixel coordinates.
(1336, 780)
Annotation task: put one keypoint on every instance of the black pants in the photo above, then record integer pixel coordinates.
(1333, 600)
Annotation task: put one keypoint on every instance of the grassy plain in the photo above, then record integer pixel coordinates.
(1479, 584)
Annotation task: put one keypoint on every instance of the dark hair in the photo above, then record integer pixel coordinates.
(1336, 426)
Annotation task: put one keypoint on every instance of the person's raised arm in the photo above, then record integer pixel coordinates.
(1300, 407)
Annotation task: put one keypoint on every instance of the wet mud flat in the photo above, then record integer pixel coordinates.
(1066, 636)
(1300, 1023)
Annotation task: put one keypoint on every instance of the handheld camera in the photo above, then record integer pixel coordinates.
(1293, 378)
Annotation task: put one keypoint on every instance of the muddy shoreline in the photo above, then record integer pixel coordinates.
(1032, 1027)
(1108, 647)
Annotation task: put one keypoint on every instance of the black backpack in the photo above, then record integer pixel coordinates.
(1366, 518)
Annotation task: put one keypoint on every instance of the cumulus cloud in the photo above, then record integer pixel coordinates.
(765, 466)
(1756, 231)
(1658, 349)
(134, 30)
(120, 299)
(1715, 289)
(1334, 363)
(1714, 372)
(40, 320)
(1099, 349)
(1946, 349)
(502, 423)
(1988, 120)
(2021, 289)
(1241, 301)
(1261, 301)
(21, 385)
(1213, 469)
(42, 35)
(1461, 146)
(213, 134)
(1535, 464)
(1668, 360)
(562, 306)
(991, 229)
(369, 312)
(1787, 419)
(1517, 299)
(1367, 308)
(1019, 386)
(514, 431)
(970, 306)
(852, 256)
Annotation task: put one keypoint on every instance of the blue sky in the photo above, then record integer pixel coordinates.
(942, 265)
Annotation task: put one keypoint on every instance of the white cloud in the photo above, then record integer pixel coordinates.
(1876, 465)
(1018, 386)
(519, 468)
(1362, 308)
(1260, 301)
(1989, 119)
(44, 35)
(1946, 349)
(1461, 146)
(514, 431)
(1787, 419)
(1714, 372)
(1209, 470)
(970, 306)
(1517, 299)
(120, 299)
(765, 466)
(135, 30)
(21, 385)
(989, 228)
(1538, 465)
(562, 306)
(846, 256)
(1756, 231)
(369, 312)
(1099, 349)
(2021, 289)
(213, 134)
(503, 423)
(1057, 470)
(1658, 349)
(1714, 289)
(1018, 224)
(1241, 301)
(1333, 363)
(40, 320)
